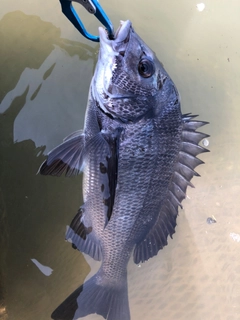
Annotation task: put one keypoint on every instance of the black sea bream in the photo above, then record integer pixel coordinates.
(138, 154)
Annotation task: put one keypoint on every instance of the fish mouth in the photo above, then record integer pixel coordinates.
(121, 36)
(111, 50)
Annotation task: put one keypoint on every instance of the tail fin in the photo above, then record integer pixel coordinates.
(97, 295)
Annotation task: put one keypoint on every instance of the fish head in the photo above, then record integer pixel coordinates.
(129, 80)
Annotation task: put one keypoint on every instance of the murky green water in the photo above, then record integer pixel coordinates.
(46, 67)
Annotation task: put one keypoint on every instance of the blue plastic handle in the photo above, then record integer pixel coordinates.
(93, 7)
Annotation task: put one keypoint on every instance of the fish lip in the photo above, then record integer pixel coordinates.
(121, 35)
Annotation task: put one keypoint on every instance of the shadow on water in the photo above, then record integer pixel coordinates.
(34, 210)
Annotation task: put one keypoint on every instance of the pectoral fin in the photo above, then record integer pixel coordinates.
(67, 157)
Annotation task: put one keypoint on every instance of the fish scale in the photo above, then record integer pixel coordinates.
(138, 154)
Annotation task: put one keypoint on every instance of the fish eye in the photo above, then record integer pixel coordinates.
(146, 68)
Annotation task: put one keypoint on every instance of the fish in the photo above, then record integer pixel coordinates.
(138, 153)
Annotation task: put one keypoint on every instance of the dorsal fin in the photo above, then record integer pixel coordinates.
(165, 224)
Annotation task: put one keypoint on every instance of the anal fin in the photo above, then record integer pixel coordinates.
(83, 237)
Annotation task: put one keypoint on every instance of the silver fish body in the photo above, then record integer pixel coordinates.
(138, 154)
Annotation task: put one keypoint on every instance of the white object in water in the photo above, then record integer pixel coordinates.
(47, 271)
(200, 6)
(205, 142)
(235, 236)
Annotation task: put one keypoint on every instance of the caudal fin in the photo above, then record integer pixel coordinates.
(107, 300)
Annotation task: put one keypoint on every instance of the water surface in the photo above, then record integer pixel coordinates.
(46, 69)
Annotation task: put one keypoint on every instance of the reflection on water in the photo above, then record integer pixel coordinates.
(43, 94)
(45, 64)
(32, 230)
(27, 196)
(28, 45)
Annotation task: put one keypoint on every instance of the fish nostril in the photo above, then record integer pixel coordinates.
(160, 81)
(159, 84)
